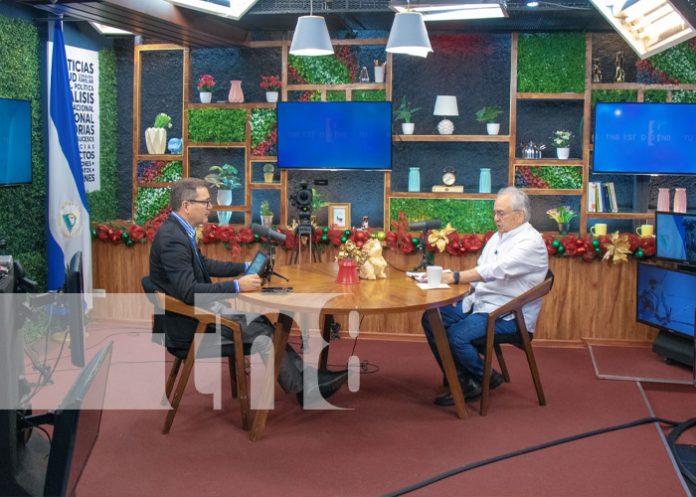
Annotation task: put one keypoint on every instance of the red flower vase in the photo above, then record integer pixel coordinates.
(347, 272)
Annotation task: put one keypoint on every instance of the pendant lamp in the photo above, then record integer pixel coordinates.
(311, 37)
(408, 35)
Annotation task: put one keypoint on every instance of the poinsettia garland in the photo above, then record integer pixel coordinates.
(615, 247)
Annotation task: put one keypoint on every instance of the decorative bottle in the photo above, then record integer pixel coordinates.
(680, 200)
(485, 180)
(413, 179)
(236, 95)
(663, 199)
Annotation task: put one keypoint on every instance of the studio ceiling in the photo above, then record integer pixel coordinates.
(160, 21)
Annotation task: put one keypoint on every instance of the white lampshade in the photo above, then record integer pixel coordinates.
(408, 35)
(311, 37)
(446, 105)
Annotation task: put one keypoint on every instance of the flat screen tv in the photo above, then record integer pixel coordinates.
(334, 135)
(675, 237)
(640, 138)
(666, 298)
(15, 141)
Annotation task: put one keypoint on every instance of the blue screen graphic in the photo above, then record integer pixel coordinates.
(645, 138)
(15, 141)
(334, 135)
(676, 237)
(666, 298)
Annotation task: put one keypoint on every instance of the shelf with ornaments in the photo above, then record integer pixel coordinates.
(452, 138)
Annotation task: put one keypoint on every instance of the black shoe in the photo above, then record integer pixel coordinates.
(330, 382)
(470, 387)
(497, 379)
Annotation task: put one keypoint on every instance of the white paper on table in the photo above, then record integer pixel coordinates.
(422, 277)
(425, 286)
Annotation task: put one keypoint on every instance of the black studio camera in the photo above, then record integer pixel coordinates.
(302, 201)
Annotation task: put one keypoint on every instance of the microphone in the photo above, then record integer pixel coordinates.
(432, 224)
(268, 233)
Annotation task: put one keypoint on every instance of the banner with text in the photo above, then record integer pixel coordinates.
(83, 71)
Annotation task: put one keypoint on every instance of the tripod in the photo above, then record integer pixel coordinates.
(268, 273)
(426, 257)
(304, 230)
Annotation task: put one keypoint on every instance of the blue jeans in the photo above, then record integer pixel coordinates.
(461, 330)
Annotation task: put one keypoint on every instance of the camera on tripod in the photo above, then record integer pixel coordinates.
(302, 201)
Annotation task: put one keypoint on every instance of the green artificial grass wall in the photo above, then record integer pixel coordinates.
(551, 63)
(466, 216)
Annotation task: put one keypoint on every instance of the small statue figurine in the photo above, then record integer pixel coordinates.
(619, 73)
(374, 266)
(596, 70)
(365, 222)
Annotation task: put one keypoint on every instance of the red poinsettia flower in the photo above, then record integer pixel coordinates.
(245, 235)
(210, 233)
(137, 233)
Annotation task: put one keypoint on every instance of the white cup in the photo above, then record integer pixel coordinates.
(434, 274)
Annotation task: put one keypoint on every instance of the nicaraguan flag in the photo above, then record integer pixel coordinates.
(68, 217)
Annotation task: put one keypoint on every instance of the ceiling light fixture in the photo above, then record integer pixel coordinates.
(234, 9)
(454, 10)
(408, 35)
(311, 36)
(105, 30)
(649, 26)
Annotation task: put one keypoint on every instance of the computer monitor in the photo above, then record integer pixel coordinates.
(675, 237)
(76, 427)
(74, 305)
(666, 298)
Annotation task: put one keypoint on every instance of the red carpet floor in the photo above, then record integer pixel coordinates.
(391, 435)
(637, 363)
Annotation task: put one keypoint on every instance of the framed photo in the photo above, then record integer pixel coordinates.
(339, 215)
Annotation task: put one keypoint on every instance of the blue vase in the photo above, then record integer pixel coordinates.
(485, 180)
(175, 145)
(413, 179)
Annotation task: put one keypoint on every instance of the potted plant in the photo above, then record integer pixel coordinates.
(205, 86)
(562, 215)
(268, 169)
(404, 113)
(272, 85)
(156, 136)
(561, 140)
(489, 115)
(225, 178)
(266, 214)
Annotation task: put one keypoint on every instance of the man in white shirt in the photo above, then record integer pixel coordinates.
(513, 261)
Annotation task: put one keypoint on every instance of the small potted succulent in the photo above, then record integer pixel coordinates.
(561, 140)
(206, 84)
(266, 214)
(405, 113)
(272, 85)
(225, 178)
(489, 115)
(156, 136)
(268, 170)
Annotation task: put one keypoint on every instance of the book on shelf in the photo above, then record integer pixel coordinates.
(610, 192)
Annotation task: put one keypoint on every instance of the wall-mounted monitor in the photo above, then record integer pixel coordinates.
(15, 141)
(334, 135)
(675, 237)
(666, 298)
(640, 138)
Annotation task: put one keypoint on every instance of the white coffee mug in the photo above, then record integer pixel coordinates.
(434, 274)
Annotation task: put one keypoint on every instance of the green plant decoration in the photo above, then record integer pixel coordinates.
(466, 216)
(225, 177)
(263, 123)
(405, 111)
(679, 62)
(369, 95)
(684, 97)
(331, 96)
(103, 203)
(265, 209)
(655, 96)
(317, 201)
(216, 125)
(551, 63)
(23, 207)
(149, 202)
(268, 168)
(614, 96)
(322, 70)
(488, 114)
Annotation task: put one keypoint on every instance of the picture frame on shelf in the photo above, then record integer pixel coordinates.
(339, 215)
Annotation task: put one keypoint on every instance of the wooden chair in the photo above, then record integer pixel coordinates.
(522, 339)
(187, 358)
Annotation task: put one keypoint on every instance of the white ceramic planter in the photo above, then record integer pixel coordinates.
(205, 96)
(407, 128)
(493, 128)
(267, 221)
(155, 140)
(563, 152)
(271, 97)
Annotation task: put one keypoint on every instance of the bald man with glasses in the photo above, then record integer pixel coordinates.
(513, 261)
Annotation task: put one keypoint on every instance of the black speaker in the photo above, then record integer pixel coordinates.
(675, 348)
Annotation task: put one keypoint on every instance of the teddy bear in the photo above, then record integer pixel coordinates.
(374, 266)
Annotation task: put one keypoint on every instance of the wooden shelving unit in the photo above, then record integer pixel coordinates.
(551, 96)
(451, 138)
(637, 216)
(453, 195)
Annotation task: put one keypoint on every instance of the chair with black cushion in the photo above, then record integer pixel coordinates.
(522, 340)
(187, 357)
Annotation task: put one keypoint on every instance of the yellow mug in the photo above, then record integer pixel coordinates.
(644, 230)
(599, 229)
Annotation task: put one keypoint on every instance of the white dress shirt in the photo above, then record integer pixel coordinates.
(510, 264)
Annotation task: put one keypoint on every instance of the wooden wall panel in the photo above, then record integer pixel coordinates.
(589, 300)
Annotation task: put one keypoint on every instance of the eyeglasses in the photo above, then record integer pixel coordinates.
(204, 202)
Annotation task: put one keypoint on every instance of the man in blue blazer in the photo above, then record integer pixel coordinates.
(178, 268)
